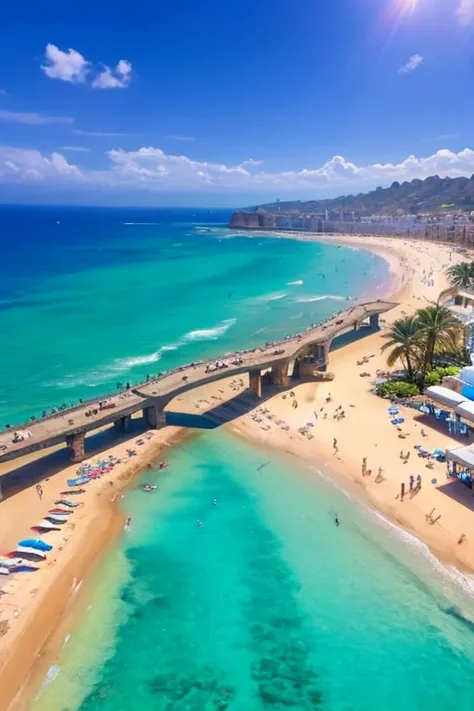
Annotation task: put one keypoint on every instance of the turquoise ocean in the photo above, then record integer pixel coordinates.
(268, 605)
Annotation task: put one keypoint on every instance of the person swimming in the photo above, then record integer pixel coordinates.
(199, 523)
(215, 502)
(336, 520)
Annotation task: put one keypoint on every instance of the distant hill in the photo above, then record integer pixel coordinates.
(434, 194)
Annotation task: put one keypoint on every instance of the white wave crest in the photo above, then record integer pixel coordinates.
(209, 334)
(141, 223)
(299, 282)
(120, 366)
(325, 297)
(273, 296)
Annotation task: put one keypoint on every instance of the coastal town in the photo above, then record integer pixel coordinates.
(453, 228)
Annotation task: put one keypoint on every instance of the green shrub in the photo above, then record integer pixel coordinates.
(397, 389)
(435, 376)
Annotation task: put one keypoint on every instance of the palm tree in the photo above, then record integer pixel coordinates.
(439, 330)
(461, 276)
(405, 338)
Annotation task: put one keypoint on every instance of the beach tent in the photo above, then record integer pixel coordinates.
(461, 455)
(445, 396)
(466, 410)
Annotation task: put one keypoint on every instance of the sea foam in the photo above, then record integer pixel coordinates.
(209, 334)
(299, 282)
(324, 297)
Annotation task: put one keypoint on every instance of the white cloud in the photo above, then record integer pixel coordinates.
(76, 149)
(29, 165)
(152, 169)
(117, 78)
(465, 12)
(68, 66)
(97, 134)
(32, 119)
(411, 65)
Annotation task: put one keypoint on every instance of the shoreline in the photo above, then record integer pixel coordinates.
(33, 642)
(24, 651)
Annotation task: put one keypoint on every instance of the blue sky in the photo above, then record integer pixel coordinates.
(221, 103)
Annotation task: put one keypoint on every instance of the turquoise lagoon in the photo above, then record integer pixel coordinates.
(268, 605)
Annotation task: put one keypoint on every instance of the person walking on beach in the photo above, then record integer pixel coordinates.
(418, 482)
(412, 483)
(39, 491)
(335, 447)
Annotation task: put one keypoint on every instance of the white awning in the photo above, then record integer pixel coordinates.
(466, 410)
(445, 396)
(461, 455)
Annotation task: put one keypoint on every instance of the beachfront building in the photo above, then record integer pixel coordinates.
(455, 407)
(461, 305)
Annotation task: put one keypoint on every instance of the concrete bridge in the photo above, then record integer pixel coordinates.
(307, 352)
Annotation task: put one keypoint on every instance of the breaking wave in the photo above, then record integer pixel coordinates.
(325, 297)
(209, 334)
(273, 296)
(299, 282)
(120, 366)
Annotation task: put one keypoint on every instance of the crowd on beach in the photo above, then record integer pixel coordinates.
(32, 551)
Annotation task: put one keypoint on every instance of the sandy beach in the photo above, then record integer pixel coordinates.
(328, 441)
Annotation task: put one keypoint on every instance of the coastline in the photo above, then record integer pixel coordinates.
(367, 428)
(104, 521)
(78, 548)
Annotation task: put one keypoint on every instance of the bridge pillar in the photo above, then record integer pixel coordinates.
(280, 375)
(121, 425)
(374, 320)
(255, 382)
(75, 444)
(154, 417)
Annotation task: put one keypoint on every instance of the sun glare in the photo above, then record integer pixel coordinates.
(404, 6)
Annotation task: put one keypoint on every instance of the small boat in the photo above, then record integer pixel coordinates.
(10, 560)
(30, 553)
(80, 480)
(46, 525)
(43, 528)
(65, 502)
(24, 569)
(58, 520)
(30, 556)
(4, 571)
(163, 465)
(74, 492)
(36, 543)
(149, 487)
(62, 512)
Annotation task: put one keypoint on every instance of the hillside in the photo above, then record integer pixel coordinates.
(434, 194)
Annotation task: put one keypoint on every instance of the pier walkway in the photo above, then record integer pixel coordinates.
(307, 352)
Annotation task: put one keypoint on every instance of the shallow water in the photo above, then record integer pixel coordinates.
(267, 605)
(92, 297)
